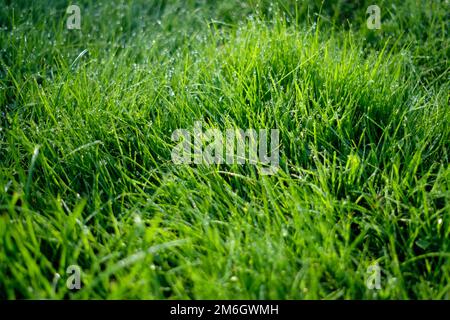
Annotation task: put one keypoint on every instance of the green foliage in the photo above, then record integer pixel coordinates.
(86, 176)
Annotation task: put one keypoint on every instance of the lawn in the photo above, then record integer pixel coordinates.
(358, 208)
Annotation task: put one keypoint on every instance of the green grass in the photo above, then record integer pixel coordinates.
(86, 176)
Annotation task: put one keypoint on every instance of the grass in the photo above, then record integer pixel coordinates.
(86, 176)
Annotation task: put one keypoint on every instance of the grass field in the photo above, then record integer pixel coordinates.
(87, 179)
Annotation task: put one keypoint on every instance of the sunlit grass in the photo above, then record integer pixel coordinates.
(86, 176)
